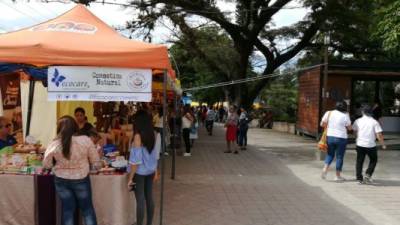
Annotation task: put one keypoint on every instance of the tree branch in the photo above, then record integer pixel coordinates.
(204, 9)
(193, 46)
(265, 51)
(305, 40)
(265, 16)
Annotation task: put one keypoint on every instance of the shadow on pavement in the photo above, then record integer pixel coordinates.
(386, 183)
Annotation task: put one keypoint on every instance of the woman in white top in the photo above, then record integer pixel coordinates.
(338, 123)
(367, 130)
(187, 120)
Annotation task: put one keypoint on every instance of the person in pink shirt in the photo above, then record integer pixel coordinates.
(70, 156)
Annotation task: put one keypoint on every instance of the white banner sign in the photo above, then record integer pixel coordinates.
(78, 83)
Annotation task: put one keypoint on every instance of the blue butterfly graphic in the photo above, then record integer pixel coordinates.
(57, 79)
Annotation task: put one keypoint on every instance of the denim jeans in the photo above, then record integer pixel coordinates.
(75, 193)
(243, 135)
(336, 146)
(144, 197)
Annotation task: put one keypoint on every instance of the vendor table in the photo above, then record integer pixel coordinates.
(28, 200)
(113, 202)
(17, 201)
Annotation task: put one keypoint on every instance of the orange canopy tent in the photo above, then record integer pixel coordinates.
(79, 38)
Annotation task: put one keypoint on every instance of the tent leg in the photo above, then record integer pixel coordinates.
(30, 104)
(165, 113)
(174, 139)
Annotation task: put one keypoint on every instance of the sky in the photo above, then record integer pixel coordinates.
(25, 13)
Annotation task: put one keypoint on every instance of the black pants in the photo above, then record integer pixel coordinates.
(186, 138)
(209, 126)
(373, 159)
(144, 195)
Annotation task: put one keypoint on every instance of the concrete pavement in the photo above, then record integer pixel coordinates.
(378, 203)
(274, 182)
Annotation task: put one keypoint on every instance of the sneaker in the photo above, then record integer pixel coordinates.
(323, 175)
(339, 179)
(187, 154)
(236, 152)
(360, 182)
(166, 153)
(367, 179)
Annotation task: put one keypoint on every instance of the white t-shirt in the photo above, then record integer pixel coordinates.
(367, 128)
(337, 123)
(186, 123)
(159, 122)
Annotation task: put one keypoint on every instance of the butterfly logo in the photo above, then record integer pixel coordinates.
(57, 79)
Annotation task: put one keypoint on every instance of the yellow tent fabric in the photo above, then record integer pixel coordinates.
(68, 108)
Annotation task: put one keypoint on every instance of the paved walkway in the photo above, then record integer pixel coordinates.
(378, 203)
(252, 188)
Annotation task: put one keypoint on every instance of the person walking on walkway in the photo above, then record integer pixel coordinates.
(194, 130)
(243, 128)
(211, 114)
(221, 113)
(337, 123)
(187, 121)
(367, 129)
(70, 155)
(231, 129)
(142, 168)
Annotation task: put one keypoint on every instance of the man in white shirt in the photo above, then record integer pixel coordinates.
(211, 114)
(367, 130)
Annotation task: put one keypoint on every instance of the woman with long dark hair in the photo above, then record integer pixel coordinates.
(70, 155)
(142, 167)
(187, 121)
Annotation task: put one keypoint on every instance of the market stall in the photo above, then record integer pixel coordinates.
(77, 57)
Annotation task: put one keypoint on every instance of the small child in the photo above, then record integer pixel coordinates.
(95, 137)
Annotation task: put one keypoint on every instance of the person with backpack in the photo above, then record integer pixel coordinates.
(367, 130)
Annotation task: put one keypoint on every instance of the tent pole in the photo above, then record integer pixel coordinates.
(174, 138)
(163, 144)
(30, 103)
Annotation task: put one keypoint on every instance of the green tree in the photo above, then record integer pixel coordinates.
(388, 27)
(252, 29)
(249, 31)
(281, 95)
(210, 44)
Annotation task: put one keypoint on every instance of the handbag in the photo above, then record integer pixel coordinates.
(322, 144)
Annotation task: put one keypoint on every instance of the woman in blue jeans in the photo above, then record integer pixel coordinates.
(143, 160)
(337, 122)
(69, 155)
